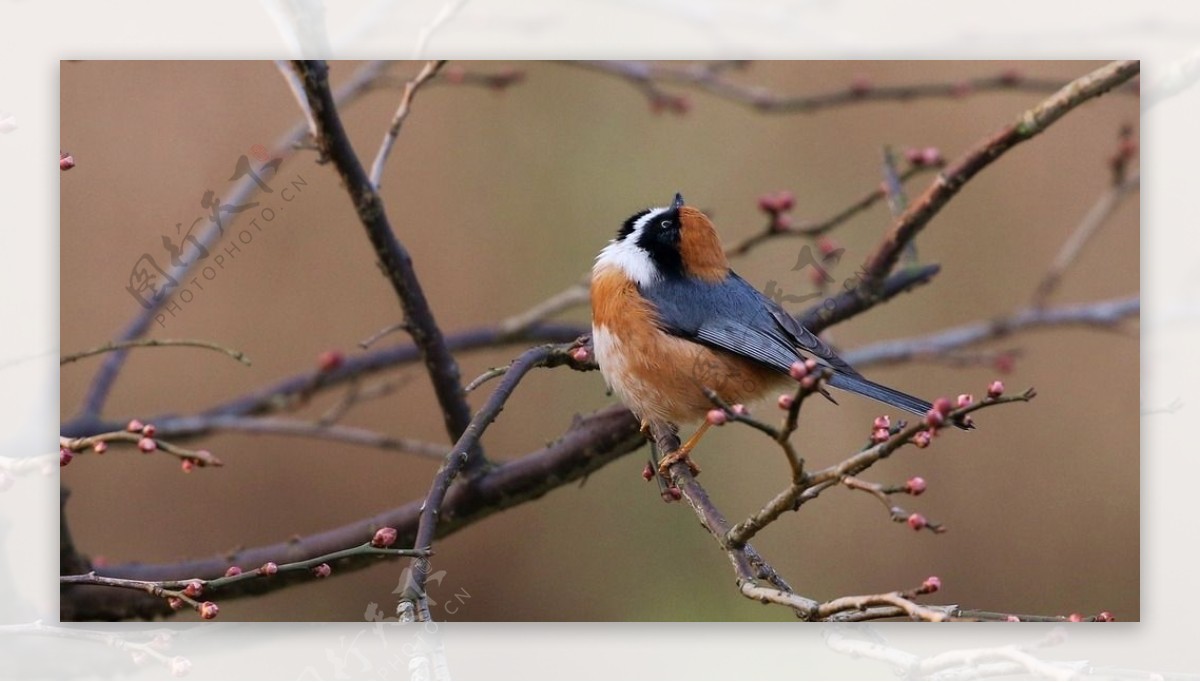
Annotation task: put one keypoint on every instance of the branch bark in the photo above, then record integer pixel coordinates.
(1028, 125)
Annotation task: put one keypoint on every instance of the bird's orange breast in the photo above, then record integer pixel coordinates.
(658, 375)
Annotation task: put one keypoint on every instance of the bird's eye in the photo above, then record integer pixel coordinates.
(666, 224)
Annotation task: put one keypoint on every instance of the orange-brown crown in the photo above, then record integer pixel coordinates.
(700, 247)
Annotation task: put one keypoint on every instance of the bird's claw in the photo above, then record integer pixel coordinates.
(675, 457)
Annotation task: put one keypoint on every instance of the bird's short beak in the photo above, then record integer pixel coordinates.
(678, 203)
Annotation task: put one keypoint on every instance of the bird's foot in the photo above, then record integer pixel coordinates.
(645, 429)
(680, 455)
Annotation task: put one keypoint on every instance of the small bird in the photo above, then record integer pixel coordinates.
(671, 319)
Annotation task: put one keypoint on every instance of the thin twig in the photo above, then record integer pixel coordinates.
(591, 443)
(708, 77)
(198, 457)
(390, 329)
(240, 193)
(1095, 219)
(280, 426)
(575, 295)
(188, 590)
(155, 343)
(956, 175)
(815, 482)
(1099, 314)
(356, 394)
(389, 138)
(394, 257)
(819, 227)
(457, 459)
(283, 394)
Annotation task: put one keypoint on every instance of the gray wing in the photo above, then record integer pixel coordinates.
(734, 316)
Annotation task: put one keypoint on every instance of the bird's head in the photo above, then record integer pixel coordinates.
(671, 241)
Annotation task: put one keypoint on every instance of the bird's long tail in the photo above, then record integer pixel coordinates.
(890, 396)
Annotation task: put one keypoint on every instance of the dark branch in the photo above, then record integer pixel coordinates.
(590, 443)
(397, 265)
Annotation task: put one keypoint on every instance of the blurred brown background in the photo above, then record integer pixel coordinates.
(505, 198)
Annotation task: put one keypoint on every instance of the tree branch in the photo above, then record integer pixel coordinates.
(393, 257)
(358, 84)
(154, 343)
(709, 77)
(590, 443)
(957, 174)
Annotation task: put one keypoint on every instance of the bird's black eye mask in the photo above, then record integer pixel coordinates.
(627, 228)
(660, 239)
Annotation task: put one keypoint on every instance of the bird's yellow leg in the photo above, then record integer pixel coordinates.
(681, 454)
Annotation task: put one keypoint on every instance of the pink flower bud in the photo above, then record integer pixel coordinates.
(916, 521)
(330, 360)
(921, 439)
(580, 354)
(739, 409)
(322, 571)
(269, 568)
(194, 589)
(716, 417)
(786, 400)
(100, 447)
(384, 537)
(135, 426)
(65, 161)
(147, 445)
(915, 486)
(785, 200)
(64, 457)
(932, 584)
(187, 465)
(880, 435)
(942, 405)
(882, 422)
(648, 472)
(966, 400)
(1075, 618)
(934, 418)
(175, 603)
(149, 430)
(1105, 617)
(232, 571)
(1012, 619)
(827, 246)
(810, 365)
(931, 156)
(797, 371)
(209, 610)
(995, 389)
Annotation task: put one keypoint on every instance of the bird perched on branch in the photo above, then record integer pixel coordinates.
(670, 319)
